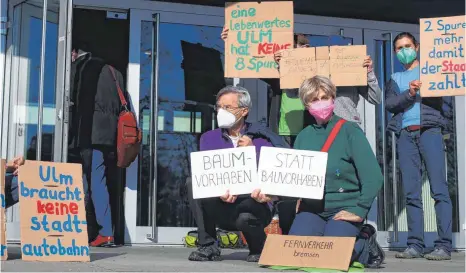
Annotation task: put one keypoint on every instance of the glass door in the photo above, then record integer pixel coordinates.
(176, 69)
(391, 212)
(29, 103)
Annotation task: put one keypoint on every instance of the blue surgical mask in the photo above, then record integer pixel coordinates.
(406, 55)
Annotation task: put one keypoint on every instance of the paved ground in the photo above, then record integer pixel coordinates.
(173, 259)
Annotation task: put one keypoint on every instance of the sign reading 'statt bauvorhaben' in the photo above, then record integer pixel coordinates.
(443, 56)
(3, 250)
(307, 251)
(214, 172)
(53, 217)
(293, 173)
(256, 31)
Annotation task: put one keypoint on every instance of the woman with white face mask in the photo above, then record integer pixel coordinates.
(418, 124)
(353, 177)
(230, 212)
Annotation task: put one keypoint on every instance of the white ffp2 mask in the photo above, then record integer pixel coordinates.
(225, 119)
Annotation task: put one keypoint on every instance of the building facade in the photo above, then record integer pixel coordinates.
(156, 45)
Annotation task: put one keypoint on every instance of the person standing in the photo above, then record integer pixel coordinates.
(418, 124)
(94, 113)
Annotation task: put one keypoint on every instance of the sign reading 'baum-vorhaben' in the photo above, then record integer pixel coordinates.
(53, 217)
(215, 172)
(256, 31)
(443, 56)
(293, 173)
(307, 251)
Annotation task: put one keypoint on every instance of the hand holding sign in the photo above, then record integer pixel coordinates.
(260, 197)
(228, 198)
(368, 63)
(224, 34)
(414, 87)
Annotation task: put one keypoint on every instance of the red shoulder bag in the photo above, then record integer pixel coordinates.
(129, 136)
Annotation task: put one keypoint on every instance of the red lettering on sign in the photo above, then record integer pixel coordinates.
(270, 48)
(57, 208)
(449, 66)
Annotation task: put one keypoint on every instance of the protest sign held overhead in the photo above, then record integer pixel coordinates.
(3, 246)
(256, 31)
(308, 251)
(442, 57)
(53, 217)
(215, 172)
(342, 64)
(293, 173)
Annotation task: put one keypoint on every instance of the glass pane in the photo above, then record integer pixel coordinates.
(23, 140)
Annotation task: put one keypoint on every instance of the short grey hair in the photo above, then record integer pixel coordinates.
(310, 88)
(244, 99)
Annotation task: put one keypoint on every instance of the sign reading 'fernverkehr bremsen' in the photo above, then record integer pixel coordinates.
(215, 172)
(293, 173)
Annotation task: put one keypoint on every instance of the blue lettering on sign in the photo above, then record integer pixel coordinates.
(63, 179)
(46, 249)
(2, 250)
(68, 225)
(445, 28)
(451, 81)
(61, 195)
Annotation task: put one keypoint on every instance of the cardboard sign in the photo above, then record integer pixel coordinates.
(215, 172)
(443, 56)
(342, 64)
(3, 246)
(53, 216)
(293, 173)
(256, 31)
(307, 251)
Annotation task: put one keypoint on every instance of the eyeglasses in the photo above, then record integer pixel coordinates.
(226, 107)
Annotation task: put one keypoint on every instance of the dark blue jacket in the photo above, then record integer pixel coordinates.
(396, 102)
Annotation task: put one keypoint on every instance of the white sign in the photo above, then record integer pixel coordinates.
(215, 172)
(293, 173)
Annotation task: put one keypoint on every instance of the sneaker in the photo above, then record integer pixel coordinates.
(439, 254)
(409, 253)
(205, 253)
(102, 241)
(253, 258)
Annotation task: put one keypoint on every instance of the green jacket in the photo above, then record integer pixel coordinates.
(353, 177)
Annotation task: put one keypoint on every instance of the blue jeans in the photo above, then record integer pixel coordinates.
(414, 148)
(95, 164)
(310, 224)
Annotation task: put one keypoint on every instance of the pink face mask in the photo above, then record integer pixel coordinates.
(322, 110)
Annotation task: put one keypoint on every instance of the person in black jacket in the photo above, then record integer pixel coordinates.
(94, 111)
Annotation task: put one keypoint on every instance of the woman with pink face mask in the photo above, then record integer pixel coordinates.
(353, 177)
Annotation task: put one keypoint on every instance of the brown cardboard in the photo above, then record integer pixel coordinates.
(296, 65)
(273, 31)
(442, 42)
(342, 64)
(308, 251)
(4, 251)
(58, 177)
(346, 65)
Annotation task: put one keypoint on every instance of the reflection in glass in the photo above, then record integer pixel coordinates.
(190, 75)
(26, 107)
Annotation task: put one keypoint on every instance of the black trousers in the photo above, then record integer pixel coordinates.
(245, 215)
(286, 214)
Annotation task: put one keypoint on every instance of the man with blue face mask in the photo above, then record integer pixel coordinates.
(244, 213)
(418, 125)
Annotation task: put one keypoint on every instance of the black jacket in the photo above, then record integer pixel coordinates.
(95, 104)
